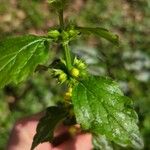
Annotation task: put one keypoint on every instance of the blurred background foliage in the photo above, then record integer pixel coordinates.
(128, 64)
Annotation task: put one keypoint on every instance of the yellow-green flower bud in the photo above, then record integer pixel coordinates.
(54, 34)
(62, 77)
(79, 64)
(73, 33)
(75, 72)
(65, 35)
(70, 90)
(67, 96)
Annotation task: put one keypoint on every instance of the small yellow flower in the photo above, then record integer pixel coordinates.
(67, 96)
(70, 90)
(75, 72)
(62, 77)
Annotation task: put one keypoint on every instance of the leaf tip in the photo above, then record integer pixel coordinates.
(137, 141)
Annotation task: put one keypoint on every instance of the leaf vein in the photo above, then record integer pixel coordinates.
(23, 48)
(106, 109)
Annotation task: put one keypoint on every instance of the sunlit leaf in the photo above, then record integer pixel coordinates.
(19, 57)
(101, 108)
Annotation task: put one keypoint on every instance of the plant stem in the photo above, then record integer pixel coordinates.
(67, 56)
(61, 19)
(65, 45)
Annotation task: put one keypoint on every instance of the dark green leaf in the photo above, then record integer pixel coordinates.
(19, 57)
(47, 124)
(101, 143)
(101, 32)
(101, 108)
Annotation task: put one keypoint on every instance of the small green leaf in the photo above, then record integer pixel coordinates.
(101, 108)
(100, 32)
(101, 143)
(19, 57)
(47, 124)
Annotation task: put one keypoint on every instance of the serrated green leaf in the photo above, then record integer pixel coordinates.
(101, 143)
(101, 108)
(100, 32)
(47, 124)
(19, 57)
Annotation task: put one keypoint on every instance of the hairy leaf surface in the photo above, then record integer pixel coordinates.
(101, 108)
(100, 32)
(47, 124)
(19, 57)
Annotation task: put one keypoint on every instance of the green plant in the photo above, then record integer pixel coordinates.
(97, 103)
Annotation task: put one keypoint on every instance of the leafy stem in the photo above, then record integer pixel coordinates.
(67, 55)
(65, 45)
